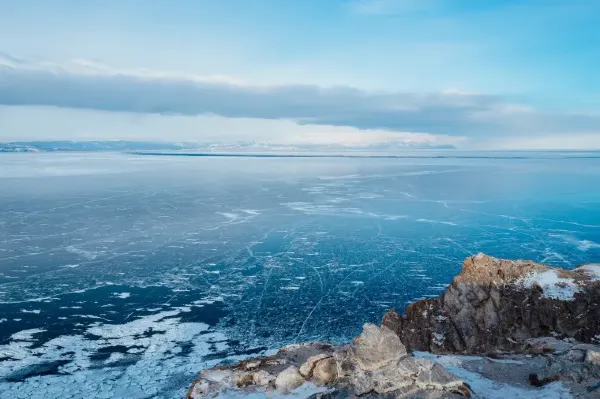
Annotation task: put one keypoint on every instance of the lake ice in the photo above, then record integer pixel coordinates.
(124, 275)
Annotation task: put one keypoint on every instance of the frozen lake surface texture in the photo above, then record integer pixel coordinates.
(124, 275)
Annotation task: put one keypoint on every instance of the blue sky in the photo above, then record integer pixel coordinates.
(475, 74)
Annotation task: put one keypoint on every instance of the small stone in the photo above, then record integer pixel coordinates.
(288, 380)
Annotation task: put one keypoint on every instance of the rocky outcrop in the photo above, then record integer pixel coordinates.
(537, 325)
(375, 363)
(497, 305)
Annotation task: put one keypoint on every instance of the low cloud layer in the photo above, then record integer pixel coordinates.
(85, 85)
(42, 123)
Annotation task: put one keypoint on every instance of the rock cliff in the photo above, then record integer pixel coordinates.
(496, 305)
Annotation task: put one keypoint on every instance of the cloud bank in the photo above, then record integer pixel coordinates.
(42, 123)
(91, 86)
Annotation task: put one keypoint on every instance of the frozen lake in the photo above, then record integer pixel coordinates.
(124, 275)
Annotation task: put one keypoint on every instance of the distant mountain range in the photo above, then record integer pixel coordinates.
(250, 146)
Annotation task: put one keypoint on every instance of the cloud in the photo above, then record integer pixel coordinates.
(86, 85)
(27, 123)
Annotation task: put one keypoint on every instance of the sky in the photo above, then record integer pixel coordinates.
(494, 74)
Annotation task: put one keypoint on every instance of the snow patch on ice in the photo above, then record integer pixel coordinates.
(290, 288)
(436, 221)
(228, 215)
(89, 255)
(26, 335)
(251, 211)
(585, 245)
(582, 245)
(70, 266)
(114, 357)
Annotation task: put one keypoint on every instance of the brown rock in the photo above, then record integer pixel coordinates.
(496, 304)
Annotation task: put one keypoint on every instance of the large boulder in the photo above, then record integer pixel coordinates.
(377, 362)
(377, 347)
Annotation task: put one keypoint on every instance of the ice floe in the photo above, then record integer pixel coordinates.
(144, 358)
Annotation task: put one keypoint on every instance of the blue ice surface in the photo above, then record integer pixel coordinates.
(115, 264)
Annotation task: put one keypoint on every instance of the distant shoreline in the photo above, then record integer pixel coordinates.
(383, 156)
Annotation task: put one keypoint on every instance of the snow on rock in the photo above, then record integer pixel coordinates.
(592, 270)
(438, 339)
(553, 286)
(486, 388)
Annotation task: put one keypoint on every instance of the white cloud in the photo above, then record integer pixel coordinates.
(251, 110)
